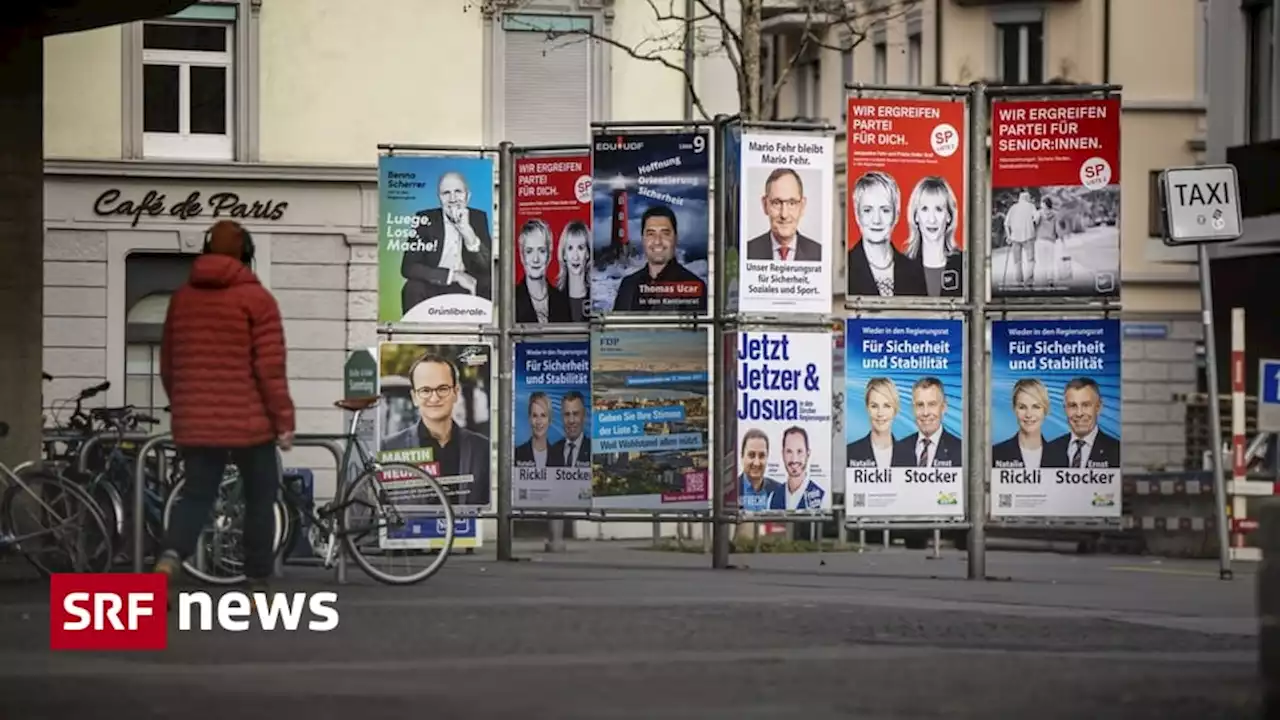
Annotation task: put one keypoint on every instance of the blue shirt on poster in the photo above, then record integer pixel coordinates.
(772, 495)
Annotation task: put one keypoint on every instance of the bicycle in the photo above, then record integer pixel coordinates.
(59, 501)
(334, 526)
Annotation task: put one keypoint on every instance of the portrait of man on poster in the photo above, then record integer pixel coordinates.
(784, 204)
(457, 254)
(537, 300)
(875, 267)
(574, 449)
(801, 492)
(1084, 445)
(645, 289)
(435, 390)
(757, 491)
(931, 445)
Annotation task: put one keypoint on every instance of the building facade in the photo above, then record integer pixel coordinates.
(271, 113)
(932, 42)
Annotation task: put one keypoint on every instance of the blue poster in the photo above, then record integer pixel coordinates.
(650, 396)
(904, 410)
(1055, 418)
(650, 223)
(435, 239)
(552, 425)
(730, 214)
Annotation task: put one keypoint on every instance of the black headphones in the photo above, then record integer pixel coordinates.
(246, 246)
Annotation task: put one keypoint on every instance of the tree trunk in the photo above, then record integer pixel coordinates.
(750, 33)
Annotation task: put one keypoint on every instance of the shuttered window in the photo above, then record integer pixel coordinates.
(546, 82)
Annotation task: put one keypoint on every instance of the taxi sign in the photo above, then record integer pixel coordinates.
(1201, 204)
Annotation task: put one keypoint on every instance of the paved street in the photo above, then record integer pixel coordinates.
(608, 631)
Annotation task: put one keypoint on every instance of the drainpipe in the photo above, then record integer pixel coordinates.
(937, 42)
(689, 13)
(1106, 42)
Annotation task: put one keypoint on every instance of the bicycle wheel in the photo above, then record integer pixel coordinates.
(368, 514)
(222, 542)
(55, 524)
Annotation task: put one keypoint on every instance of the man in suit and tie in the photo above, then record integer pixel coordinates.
(784, 203)
(574, 450)
(931, 445)
(1085, 445)
(456, 255)
(458, 451)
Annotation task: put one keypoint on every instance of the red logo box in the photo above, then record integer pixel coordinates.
(111, 611)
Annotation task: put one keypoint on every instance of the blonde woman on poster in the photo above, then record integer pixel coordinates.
(1025, 449)
(574, 278)
(932, 219)
(875, 449)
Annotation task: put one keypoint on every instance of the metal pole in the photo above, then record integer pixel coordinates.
(1215, 414)
(140, 499)
(506, 353)
(719, 530)
(976, 400)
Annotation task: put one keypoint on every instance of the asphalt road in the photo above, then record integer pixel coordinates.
(612, 632)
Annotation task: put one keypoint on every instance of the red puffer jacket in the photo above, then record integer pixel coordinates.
(222, 359)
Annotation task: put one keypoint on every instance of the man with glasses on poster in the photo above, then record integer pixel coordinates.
(784, 203)
(457, 450)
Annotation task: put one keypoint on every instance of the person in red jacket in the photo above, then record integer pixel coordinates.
(222, 362)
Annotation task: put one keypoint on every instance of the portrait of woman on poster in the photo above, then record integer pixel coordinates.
(536, 300)
(574, 279)
(932, 218)
(534, 452)
(875, 449)
(1026, 447)
(875, 267)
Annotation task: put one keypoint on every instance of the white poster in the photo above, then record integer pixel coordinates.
(784, 421)
(785, 252)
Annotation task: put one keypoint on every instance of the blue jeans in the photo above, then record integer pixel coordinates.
(260, 480)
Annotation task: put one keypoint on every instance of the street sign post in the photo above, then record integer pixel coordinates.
(1268, 395)
(1201, 204)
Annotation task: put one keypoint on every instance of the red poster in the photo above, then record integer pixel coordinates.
(906, 180)
(553, 239)
(1055, 198)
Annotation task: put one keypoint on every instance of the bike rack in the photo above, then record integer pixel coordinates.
(166, 440)
(92, 441)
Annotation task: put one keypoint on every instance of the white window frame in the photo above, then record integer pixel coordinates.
(184, 144)
(1024, 17)
(915, 59)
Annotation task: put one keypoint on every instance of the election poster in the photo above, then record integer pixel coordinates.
(1055, 418)
(650, 224)
(650, 398)
(784, 422)
(784, 253)
(904, 410)
(552, 427)
(728, 213)
(1055, 198)
(435, 240)
(906, 170)
(553, 239)
(436, 413)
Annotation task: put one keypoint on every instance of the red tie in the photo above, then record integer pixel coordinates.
(782, 250)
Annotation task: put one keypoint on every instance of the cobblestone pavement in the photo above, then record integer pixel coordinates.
(606, 631)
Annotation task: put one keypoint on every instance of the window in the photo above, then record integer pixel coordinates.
(188, 85)
(547, 78)
(1020, 53)
(915, 55)
(846, 77)
(149, 282)
(1260, 54)
(1155, 217)
(808, 84)
(881, 66)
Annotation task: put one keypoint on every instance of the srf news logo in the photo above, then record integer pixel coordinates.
(129, 611)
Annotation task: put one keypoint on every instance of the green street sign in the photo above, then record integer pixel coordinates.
(360, 375)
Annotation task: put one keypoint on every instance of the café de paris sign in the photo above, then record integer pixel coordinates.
(218, 205)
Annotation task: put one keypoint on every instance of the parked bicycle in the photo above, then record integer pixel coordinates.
(373, 518)
(51, 521)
